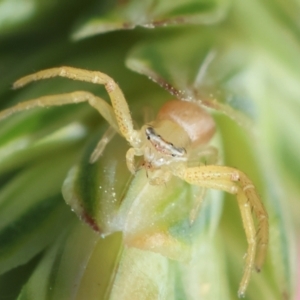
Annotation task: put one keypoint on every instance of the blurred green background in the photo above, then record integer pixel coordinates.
(239, 59)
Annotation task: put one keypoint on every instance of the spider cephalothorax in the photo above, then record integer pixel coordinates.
(169, 141)
(168, 144)
(163, 146)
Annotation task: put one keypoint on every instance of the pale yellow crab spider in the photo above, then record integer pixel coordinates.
(167, 145)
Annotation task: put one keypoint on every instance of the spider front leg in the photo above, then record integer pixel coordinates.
(120, 106)
(235, 182)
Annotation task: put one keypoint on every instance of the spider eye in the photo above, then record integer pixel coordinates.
(149, 132)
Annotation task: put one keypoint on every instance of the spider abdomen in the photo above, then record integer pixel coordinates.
(194, 120)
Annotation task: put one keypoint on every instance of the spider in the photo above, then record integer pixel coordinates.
(168, 146)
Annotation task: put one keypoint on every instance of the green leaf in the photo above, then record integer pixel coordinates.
(207, 72)
(32, 211)
(29, 135)
(94, 191)
(82, 265)
(152, 13)
(60, 273)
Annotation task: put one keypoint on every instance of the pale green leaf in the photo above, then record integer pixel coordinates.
(83, 265)
(95, 191)
(152, 13)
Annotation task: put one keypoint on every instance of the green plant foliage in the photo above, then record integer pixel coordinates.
(152, 13)
(70, 229)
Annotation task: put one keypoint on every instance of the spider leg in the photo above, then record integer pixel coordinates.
(235, 182)
(69, 98)
(205, 155)
(130, 154)
(106, 138)
(76, 97)
(119, 103)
